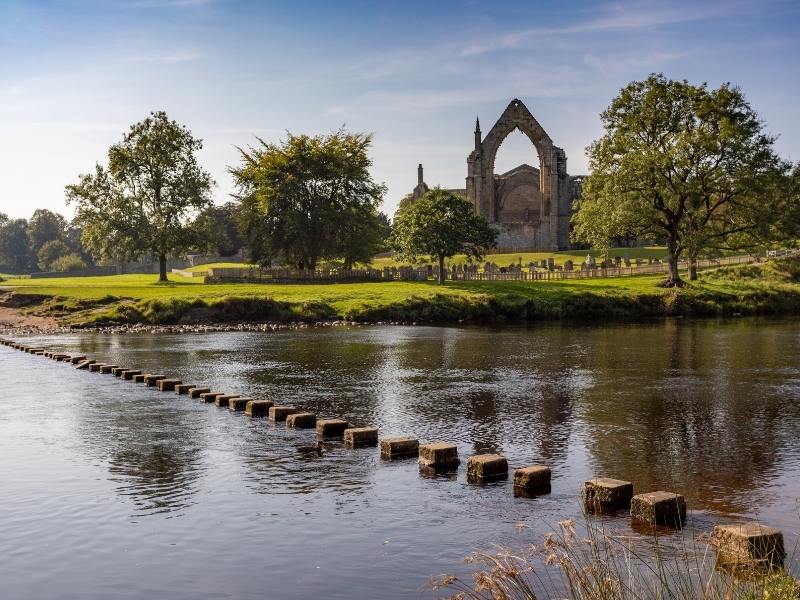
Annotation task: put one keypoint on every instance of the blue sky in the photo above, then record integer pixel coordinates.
(75, 73)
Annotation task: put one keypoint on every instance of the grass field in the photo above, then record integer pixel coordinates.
(754, 289)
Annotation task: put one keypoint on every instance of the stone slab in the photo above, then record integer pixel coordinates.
(77, 359)
(438, 454)
(399, 447)
(532, 478)
(258, 408)
(209, 397)
(95, 367)
(152, 380)
(279, 413)
(604, 494)
(659, 508)
(484, 467)
(222, 400)
(239, 403)
(355, 437)
(183, 388)
(748, 546)
(167, 385)
(84, 365)
(130, 374)
(139, 378)
(106, 369)
(196, 391)
(117, 371)
(332, 427)
(302, 420)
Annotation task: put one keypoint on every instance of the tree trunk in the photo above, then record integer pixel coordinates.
(162, 267)
(674, 279)
(692, 268)
(441, 270)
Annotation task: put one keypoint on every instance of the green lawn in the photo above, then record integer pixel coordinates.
(217, 265)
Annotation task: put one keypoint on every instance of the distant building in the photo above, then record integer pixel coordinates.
(530, 206)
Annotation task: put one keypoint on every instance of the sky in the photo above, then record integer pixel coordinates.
(75, 74)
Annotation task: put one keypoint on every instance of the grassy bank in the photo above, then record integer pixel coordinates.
(769, 288)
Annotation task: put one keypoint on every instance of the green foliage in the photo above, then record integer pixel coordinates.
(219, 229)
(14, 245)
(50, 251)
(45, 226)
(68, 262)
(310, 198)
(441, 224)
(682, 163)
(146, 198)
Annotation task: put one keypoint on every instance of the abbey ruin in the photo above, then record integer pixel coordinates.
(530, 206)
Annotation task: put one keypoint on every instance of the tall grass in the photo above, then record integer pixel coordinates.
(593, 564)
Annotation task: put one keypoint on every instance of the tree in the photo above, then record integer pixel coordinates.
(50, 252)
(306, 198)
(442, 224)
(678, 162)
(15, 245)
(219, 229)
(146, 198)
(45, 226)
(68, 262)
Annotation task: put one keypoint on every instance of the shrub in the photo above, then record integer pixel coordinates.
(50, 252)
(70, 262)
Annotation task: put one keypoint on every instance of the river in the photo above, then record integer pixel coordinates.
(110, 489)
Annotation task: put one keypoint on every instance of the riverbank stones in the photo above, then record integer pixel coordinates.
(355, 437)
(183, 388)
(438, 455)
(486, 467)
(210, 397)
(302, 420)
(332, 427)
(258, 408)
(195, 392)
(152, 380)
(130, 374)
(239, 403)
(399, 447)
(603, 495)
(279, 413)
(748, 546)
(659, 508)
(223, 400)
(535, 478)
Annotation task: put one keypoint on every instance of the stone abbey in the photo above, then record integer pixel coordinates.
(530, 206)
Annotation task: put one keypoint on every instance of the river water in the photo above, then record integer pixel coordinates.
(112, 490)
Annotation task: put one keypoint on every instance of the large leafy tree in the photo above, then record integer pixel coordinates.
(15, 245)
(146, 198)
(45, 226)
(679, 162)
(219, 229)
(309, 198)
(441, 224)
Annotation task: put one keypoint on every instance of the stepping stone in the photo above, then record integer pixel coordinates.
(183, 388)
(239, 403)
(355, 437)
(84, 364)
(399, 447)
(438, 454)
(484, 467)
(302, 420)
(167, 385)
(209, 397)
(223, 400)
(152, 380)
(603, 494)
(106, 369)
(95, 367)
(332, 427)
(117, 371)
(139, 378)
(77, 359)
(196, 391)
(258, 408)
(130, 374)
(279, 413)
(748, 547)
(659, 508)
(533, 478)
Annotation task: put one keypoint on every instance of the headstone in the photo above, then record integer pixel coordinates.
(568, 265)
